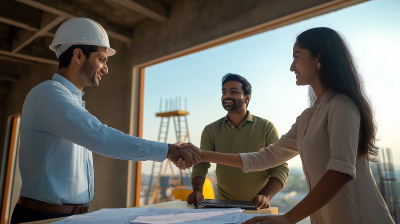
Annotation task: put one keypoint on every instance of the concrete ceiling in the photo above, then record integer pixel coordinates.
(28, 26)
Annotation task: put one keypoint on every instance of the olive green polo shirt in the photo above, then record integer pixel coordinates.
(252, 134)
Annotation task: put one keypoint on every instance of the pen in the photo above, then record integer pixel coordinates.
(196, 206)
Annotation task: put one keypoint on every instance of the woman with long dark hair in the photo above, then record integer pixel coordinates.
(335, 139)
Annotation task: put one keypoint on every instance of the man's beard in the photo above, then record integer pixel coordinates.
(234, 106)
(89, 73)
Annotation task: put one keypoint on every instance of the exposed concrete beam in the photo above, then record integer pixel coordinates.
(58, 12)
(6, 58)
(22, 25)
(17, 24)
(4, 91)
(142, 10)
(28, 57)
(9, 77)
(39, 33)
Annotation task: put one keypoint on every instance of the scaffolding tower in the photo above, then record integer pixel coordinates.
(181, 128)
(388, 183)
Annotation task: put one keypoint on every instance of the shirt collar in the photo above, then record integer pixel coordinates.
(326, 97)
(249, 118)
(69, 85)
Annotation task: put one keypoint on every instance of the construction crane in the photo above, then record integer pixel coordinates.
(181, 128)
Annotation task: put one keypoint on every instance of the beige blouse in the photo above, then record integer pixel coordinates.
(326, 137)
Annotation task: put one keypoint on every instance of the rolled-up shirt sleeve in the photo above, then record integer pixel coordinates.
(57, 111)
(273, 155)
(343, 129)
(280, 172)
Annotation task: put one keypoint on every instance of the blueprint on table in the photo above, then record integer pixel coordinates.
(189, 216)
(105, 216)
(153, 215)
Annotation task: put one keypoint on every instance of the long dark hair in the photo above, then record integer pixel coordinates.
(339, 73)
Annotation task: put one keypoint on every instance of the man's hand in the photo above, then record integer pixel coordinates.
(195, 197)
(180, 163)
(187, 157)
(261, 201)
(273, 186)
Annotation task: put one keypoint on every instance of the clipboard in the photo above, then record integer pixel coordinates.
(216, 203)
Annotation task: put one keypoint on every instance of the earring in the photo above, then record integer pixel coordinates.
(318, 65)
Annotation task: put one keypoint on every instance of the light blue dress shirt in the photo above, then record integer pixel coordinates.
(58, 136)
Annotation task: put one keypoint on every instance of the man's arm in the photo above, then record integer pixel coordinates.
(57, 112)
(200, 170)
(277, 175)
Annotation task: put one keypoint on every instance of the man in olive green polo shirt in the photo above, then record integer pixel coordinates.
(238, 132)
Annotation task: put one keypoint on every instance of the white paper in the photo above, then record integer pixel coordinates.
(192, 216)
(105, 216)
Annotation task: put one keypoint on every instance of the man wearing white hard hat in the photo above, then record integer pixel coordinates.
(58, 135)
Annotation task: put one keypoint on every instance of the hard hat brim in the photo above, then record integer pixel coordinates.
(110, 52)
(54, 47)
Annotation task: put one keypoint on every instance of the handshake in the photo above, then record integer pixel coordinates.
(184, 155)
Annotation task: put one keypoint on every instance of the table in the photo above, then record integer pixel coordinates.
(176, 204)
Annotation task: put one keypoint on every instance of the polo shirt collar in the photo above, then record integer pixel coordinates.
(69, 85)
(249, 118)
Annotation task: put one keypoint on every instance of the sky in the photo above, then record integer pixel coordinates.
(372, 31)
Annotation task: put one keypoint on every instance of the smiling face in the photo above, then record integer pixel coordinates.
(304, 65)
(94, 67)
(233, 97)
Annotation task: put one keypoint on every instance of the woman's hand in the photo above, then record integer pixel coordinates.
(181, 163)
(270, 219)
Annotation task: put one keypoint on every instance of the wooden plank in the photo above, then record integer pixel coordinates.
(172, 113)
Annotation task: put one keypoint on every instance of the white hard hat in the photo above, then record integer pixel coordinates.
(82, 31)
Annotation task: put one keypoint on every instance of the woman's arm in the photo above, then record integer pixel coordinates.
(329, 185)
(227, 159)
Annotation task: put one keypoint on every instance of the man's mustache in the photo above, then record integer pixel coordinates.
(234, 101)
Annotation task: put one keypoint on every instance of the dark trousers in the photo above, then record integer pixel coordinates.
(22, 214)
